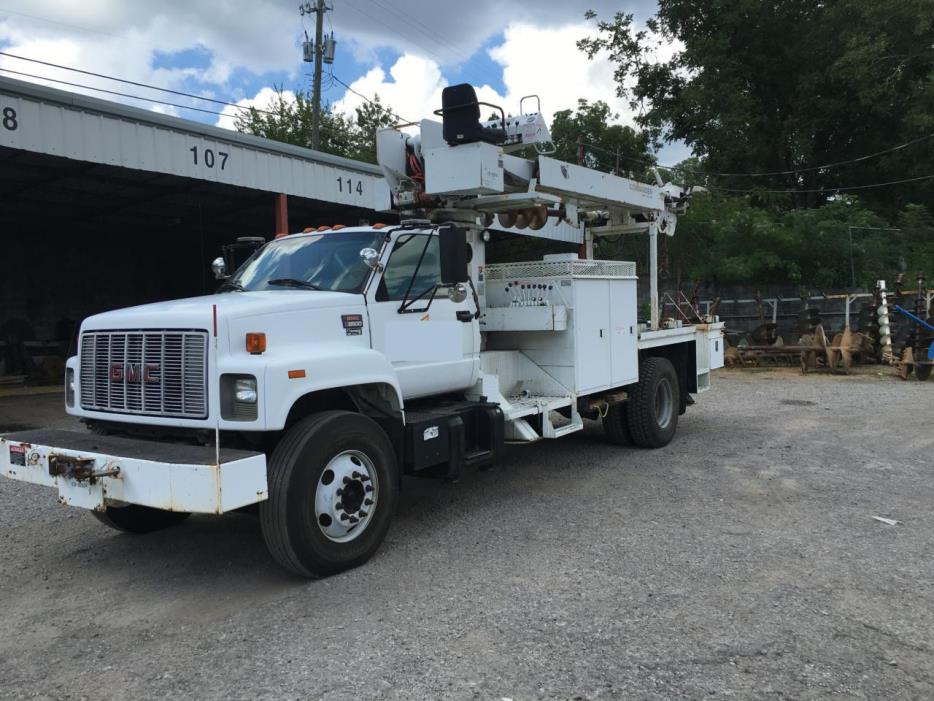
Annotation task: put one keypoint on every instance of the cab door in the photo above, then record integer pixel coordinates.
(432, 342)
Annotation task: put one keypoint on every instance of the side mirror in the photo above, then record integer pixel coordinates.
(370, 256)
(455, 255)
(220, 268)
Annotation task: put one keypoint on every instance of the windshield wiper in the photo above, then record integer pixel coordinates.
(230, 285)
(293, 282)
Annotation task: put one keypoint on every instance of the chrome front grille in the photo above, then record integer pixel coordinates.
(152, 372)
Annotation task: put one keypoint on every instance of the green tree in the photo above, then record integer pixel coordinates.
(608, 147)
(785, 86)
(290, 120)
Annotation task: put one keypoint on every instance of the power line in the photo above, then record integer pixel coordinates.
(764, 174)
(825, 189)
(368, 100)
(134, 83)
(330, 130)
(836, 164)
(429, 32)
(115, 92)
(62, 24)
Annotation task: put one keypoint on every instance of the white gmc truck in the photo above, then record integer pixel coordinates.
(335, 361)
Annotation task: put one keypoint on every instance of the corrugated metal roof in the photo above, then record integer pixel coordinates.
(45, 120)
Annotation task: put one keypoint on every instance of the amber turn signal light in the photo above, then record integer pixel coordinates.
(255, 342)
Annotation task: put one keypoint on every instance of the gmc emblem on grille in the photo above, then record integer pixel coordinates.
(134, 373)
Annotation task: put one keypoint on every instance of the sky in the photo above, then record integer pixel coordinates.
(405, 51)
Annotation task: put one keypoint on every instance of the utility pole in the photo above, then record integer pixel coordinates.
(320, 54)
(316, 95)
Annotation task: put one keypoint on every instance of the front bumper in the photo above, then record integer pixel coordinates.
(91, 471)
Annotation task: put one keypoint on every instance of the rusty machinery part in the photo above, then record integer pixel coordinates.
(764, 334)
(538, 217)
(844, 346)
(533, 218)
(808, 320)
(809, 356)
(507, 220)
(837, 355)
(732, 357)
(905, 364)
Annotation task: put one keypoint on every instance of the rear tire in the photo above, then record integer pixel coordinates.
(653, 404)
(616, 424)
(317, 487)
(134, 518)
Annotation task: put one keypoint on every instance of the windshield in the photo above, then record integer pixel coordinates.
(327, 261)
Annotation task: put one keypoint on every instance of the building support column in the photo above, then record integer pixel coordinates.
(282, 215)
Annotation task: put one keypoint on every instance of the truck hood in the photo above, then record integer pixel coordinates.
(197, 312)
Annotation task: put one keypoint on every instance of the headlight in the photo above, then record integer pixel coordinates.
(239, 398)
(245, 390)
(69, 386)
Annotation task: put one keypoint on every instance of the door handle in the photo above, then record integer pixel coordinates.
(465, 316)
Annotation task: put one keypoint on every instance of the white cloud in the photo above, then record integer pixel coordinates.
(123, 39)
(261, 100)
(536, 49)
(534, 60)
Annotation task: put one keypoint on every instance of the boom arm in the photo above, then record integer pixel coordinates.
(461, 169)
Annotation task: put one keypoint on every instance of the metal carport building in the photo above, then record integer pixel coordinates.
(104, 205)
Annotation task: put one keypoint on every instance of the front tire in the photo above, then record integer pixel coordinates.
(653, 404)
(333, 488)
(134, 518)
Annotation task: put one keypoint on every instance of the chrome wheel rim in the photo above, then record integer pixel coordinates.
(346, 496)
(664, 403)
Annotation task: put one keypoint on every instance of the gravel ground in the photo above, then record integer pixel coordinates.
(742, 560)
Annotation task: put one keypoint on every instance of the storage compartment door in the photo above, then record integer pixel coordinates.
(592, 335)
(715, 346)
(623, 342)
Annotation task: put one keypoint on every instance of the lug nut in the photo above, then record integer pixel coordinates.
(369, 488)
(361, 514)
(339, 491)
(346, 479)
(340, 506)
(354, 519)
(364, 478)
(355, 475)
(368, 502)
(344, 517)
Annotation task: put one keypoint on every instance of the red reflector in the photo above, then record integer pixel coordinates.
(296, 374)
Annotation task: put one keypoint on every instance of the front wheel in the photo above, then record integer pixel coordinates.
(333, 487)
(653, 404)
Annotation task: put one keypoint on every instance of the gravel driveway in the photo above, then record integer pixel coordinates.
(742, 560)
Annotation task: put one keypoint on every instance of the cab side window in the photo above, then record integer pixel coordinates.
(402, 264)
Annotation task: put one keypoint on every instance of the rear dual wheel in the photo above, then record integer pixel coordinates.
(649, 417)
